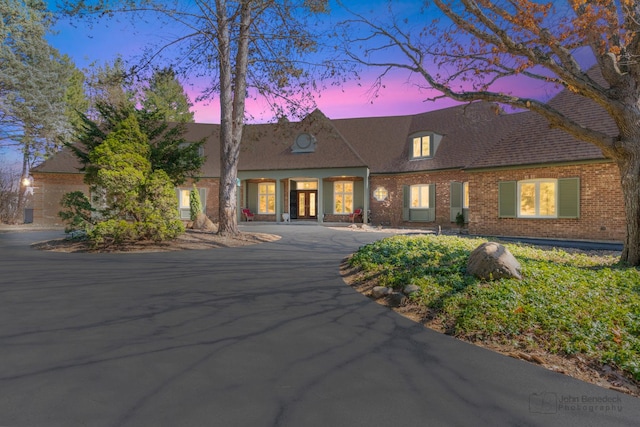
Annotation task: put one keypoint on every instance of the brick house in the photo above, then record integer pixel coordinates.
(508, 174)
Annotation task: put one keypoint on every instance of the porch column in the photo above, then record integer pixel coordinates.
(367, 198)
(320, 202)
(240, 196)
(279, 201)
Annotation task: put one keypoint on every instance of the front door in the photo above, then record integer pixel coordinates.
(307, 204)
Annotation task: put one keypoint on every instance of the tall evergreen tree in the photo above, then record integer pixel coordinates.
(34, 79)
(135, 202)
(109, 84)
(166, 96)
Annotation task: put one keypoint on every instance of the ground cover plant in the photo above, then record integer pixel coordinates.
(567, 304)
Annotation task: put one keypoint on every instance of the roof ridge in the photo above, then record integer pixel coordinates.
(317, 112)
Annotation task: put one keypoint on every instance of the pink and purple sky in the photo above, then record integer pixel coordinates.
(105, 41)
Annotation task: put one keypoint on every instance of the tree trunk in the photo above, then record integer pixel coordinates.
(22, 189)
(629, 166)
(232, 103)
(227, 219)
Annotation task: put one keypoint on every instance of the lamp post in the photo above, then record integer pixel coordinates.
(27, 184)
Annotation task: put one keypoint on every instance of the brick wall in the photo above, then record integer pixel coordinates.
(212, 186)
(389, 212)
(47, 193)
(601, 204)
(50, 187)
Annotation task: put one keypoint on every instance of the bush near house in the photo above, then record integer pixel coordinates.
(195, 204)
(132, 200)
(567, 303)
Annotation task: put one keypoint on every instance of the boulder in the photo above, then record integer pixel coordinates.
(493, 261)
(202, 222)
(380, 291)
(397, 299)
(411, 289)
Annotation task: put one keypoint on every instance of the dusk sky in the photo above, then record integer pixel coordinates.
(104, 41)
(107, 40)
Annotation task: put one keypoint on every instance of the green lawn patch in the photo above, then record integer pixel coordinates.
(567, 303)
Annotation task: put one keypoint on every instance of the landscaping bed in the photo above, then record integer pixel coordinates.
(190, 239)
(574, 312)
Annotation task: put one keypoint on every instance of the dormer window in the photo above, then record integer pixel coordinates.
(424, 144)
(421, 146)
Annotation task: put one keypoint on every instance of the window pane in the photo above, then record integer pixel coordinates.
(184, 198)
(424, 196)
(420, 196)
(417, 147)
(266, 188)
(547, 198)
(528, 199)
(262, 204)
(426, 146)
(307, 185)
(343, 197)
(312, 204)
(339, 204)
(415, 197)
(465, 195)
(271, 202)
(302, 197)
(348, 203)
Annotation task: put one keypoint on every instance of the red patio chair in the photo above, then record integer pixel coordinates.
(355, 214)
(248, 216)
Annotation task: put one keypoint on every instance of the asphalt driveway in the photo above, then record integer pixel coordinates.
(265, 335)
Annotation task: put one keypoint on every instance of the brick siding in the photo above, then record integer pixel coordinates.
(47, 194)
(601, 204)
(389, 211)
(50, 187)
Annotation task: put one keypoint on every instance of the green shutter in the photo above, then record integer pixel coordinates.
(507, 199)
(569, 198)
(327, 198)
(203, 199)
(432, 202)
(406, 202)
(455, 195)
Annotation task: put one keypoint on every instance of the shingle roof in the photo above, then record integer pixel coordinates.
(63, 161)
(268, 146)
(264, 147)
(476, 135)
(467, 130)
(532, 140)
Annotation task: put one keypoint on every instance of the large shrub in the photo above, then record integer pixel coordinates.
(77, 212)
(133, 201)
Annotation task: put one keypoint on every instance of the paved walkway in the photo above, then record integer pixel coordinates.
(266, 335)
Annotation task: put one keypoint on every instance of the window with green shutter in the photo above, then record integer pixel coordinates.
(419, 202)
(539, 198)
